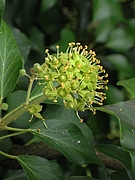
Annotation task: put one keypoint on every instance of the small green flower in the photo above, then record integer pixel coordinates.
(76, 76)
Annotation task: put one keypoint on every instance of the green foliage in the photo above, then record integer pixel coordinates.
(26, 30)
(62, 136)
(42, 170)
(118, 153)
(129, 84)
(5, 144)
(10, 60)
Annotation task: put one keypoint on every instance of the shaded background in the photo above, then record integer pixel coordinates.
(107, 27)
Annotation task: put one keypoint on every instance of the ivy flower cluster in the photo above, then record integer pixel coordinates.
(76, 76)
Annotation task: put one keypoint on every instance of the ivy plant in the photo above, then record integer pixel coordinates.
(46, 114)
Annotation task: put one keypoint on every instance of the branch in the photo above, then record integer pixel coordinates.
(41, 149)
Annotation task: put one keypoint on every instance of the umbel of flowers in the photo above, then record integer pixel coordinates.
(76, 76)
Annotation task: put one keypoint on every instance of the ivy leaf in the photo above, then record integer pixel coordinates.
(38, 168)
(125, 113)
(104, 28)
(111, 8)
(64, 114)
(10, 61)
(121, 64)
(67, 138)
(5, 144)
(23, 42)
(129, 84)
(66, 36)
(124, 36)
(116, 152)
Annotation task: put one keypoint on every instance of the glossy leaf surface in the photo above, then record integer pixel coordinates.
(10, 61)
(116, 152)
(125, 112)
(67, 138)
(23, 42)
(68, 115)
(38, 168)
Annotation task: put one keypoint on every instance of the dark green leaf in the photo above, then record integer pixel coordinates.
(2, 5)
(14, 100)
(104, 28)
(80, 178)
(47, 4)
(63, 114)
(37, 39)
(66, 36)
(104, 9)
(125, 112)
(23, 42)
(120, 40)
(116, 152)
(5, 144)
(18, 97)
(67, 138)
(113, 91)
(121, 64)
(10, 61)
(38, 168)
(15, 175)
(129, 84)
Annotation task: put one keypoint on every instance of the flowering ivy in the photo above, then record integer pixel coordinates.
(76, 76)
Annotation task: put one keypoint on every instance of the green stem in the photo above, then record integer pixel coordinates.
(16, 129)
(17, 112)
(29, 90)
(7, 155)
(10, 135)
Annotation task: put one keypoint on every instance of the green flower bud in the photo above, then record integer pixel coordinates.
(81, 106)
(4, 106)
(62, 78)
(70, 104)
(70, 68)
(62, 93)
(22, 72)
(36, 67)
(46, 91)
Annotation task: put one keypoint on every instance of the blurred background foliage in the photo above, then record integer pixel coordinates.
(107, 27)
